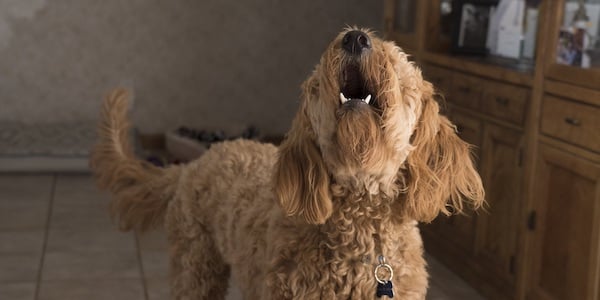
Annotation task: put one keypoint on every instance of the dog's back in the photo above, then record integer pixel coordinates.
(229, 173)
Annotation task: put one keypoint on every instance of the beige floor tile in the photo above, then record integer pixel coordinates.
(19, 216)
(78, 205)
(78, 190)
(158, 288)
(19, 267)
(458, 291)
(153, 240)
(434, 266)
(84, 240)
(22, 241)
(98, 289)
(78, 265)
(18, 291)
(234, 292)
(24, 212)
(81, 217)
(436, 293)
(154, 253)
(156, 263)
(451, 285)
(25, 186)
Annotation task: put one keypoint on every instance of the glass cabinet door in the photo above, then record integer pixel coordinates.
(404, 16)
(575, 58)
(578, 37)
(400, 18)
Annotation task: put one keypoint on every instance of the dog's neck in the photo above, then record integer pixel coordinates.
(364, 184)
(359, 226)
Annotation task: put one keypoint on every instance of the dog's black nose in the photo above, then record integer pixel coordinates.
(355, 41)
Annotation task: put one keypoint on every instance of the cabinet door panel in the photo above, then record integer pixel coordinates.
(502, 177)
(566, 250)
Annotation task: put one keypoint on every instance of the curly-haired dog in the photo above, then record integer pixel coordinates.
(367, 156)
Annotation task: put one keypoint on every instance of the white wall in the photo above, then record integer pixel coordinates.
(213, 63)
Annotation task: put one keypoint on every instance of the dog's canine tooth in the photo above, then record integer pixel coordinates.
(343, 98)
(368, 99)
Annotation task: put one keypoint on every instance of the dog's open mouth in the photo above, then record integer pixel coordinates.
(354, 87)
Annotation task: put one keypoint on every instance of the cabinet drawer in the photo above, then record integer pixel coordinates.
(573, 122)
(440, 78)
(466, 91)
(468, 128)
(505, 101)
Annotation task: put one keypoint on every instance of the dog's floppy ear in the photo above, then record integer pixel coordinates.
(441, 173)
(301, 178)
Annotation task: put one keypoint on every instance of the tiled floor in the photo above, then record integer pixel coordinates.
(57, 242)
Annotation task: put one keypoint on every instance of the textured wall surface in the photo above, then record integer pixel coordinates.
(207, 64)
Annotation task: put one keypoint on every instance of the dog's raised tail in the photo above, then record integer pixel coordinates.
(141, 191)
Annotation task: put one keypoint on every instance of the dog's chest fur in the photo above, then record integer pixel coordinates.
(336, 260)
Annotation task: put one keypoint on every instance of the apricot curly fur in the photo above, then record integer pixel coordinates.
(306, 220)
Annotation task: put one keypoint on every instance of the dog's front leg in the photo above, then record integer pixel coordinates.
(198, 271)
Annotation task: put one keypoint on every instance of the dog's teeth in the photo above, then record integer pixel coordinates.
(368, 99)
(343, 98)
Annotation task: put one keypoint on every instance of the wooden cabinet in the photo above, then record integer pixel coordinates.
(498, 228)
(565, 253)
(567, 202)
(536, 133)
(400, 22)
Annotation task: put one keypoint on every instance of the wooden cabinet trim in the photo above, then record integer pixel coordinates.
(464, 64)
(584, 95)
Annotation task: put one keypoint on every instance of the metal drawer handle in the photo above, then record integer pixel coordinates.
(502, 101)
(572, 121)
(459, 128)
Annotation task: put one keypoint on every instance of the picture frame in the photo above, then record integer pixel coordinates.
(471, 20)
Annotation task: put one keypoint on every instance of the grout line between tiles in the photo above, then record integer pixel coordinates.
(141, 264)
(46, 233)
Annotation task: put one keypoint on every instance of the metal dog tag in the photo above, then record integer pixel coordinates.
(384, 287)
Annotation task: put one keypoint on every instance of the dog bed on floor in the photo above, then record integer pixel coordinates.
(49, 147)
